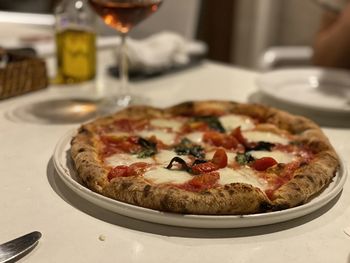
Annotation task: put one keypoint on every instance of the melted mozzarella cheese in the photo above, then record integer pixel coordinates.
(164, 157)
(161, 175)
(195, 137)
(231, 122)
(175, 125)
(257, 136)
(126, 159)
(165, 137)
(280, 157)
(244, 175)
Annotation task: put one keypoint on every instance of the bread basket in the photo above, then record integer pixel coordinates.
(21, 72)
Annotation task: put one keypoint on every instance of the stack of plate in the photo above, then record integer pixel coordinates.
(320, 94)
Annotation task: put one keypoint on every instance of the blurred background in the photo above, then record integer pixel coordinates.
(238, 32)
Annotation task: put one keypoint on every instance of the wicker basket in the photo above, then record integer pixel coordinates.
(22, 74)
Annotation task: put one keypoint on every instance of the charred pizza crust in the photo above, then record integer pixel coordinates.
(236, 198)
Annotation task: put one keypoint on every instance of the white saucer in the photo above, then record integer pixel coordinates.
(318, 89)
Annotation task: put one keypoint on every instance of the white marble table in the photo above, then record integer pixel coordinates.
(34, 198)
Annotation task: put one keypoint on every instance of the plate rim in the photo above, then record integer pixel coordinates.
(267, 89)
(190, 220)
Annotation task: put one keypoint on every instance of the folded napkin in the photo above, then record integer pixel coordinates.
(162, 51)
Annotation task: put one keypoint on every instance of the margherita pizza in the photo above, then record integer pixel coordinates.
(205, 157)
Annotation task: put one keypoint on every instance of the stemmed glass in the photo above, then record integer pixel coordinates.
(123, 15)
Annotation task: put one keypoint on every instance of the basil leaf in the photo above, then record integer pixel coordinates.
(262, 146)
(146, 153)
(186, 147)
(184, 165)
(146, 144)
(181, 161)
(212, 121)
(244, 158)
(148, 148)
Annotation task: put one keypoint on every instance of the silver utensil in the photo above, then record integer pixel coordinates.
(18, 247)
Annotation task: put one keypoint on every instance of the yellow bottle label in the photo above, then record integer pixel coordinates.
(76, 55)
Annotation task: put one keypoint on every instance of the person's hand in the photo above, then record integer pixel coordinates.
(332, 42)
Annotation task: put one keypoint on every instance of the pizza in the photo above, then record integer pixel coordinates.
(205, 157)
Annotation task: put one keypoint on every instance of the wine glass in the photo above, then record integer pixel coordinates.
(123, 15)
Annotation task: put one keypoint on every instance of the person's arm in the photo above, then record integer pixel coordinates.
(332, 43)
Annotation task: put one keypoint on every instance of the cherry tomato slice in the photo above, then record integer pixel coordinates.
(137, 168)
(237, 133)
(123, 170)
(220, 140)
(118, 171)
(204, 181)
(220, 158)
(203, 168)
(263, 163)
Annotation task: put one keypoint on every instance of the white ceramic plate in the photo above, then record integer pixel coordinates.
(314, 88)
(63, 165)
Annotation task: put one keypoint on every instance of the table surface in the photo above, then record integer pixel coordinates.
(33, 197)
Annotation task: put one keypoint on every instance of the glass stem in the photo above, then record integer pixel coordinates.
(123, 68)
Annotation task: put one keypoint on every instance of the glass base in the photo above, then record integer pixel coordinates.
(116, 103)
